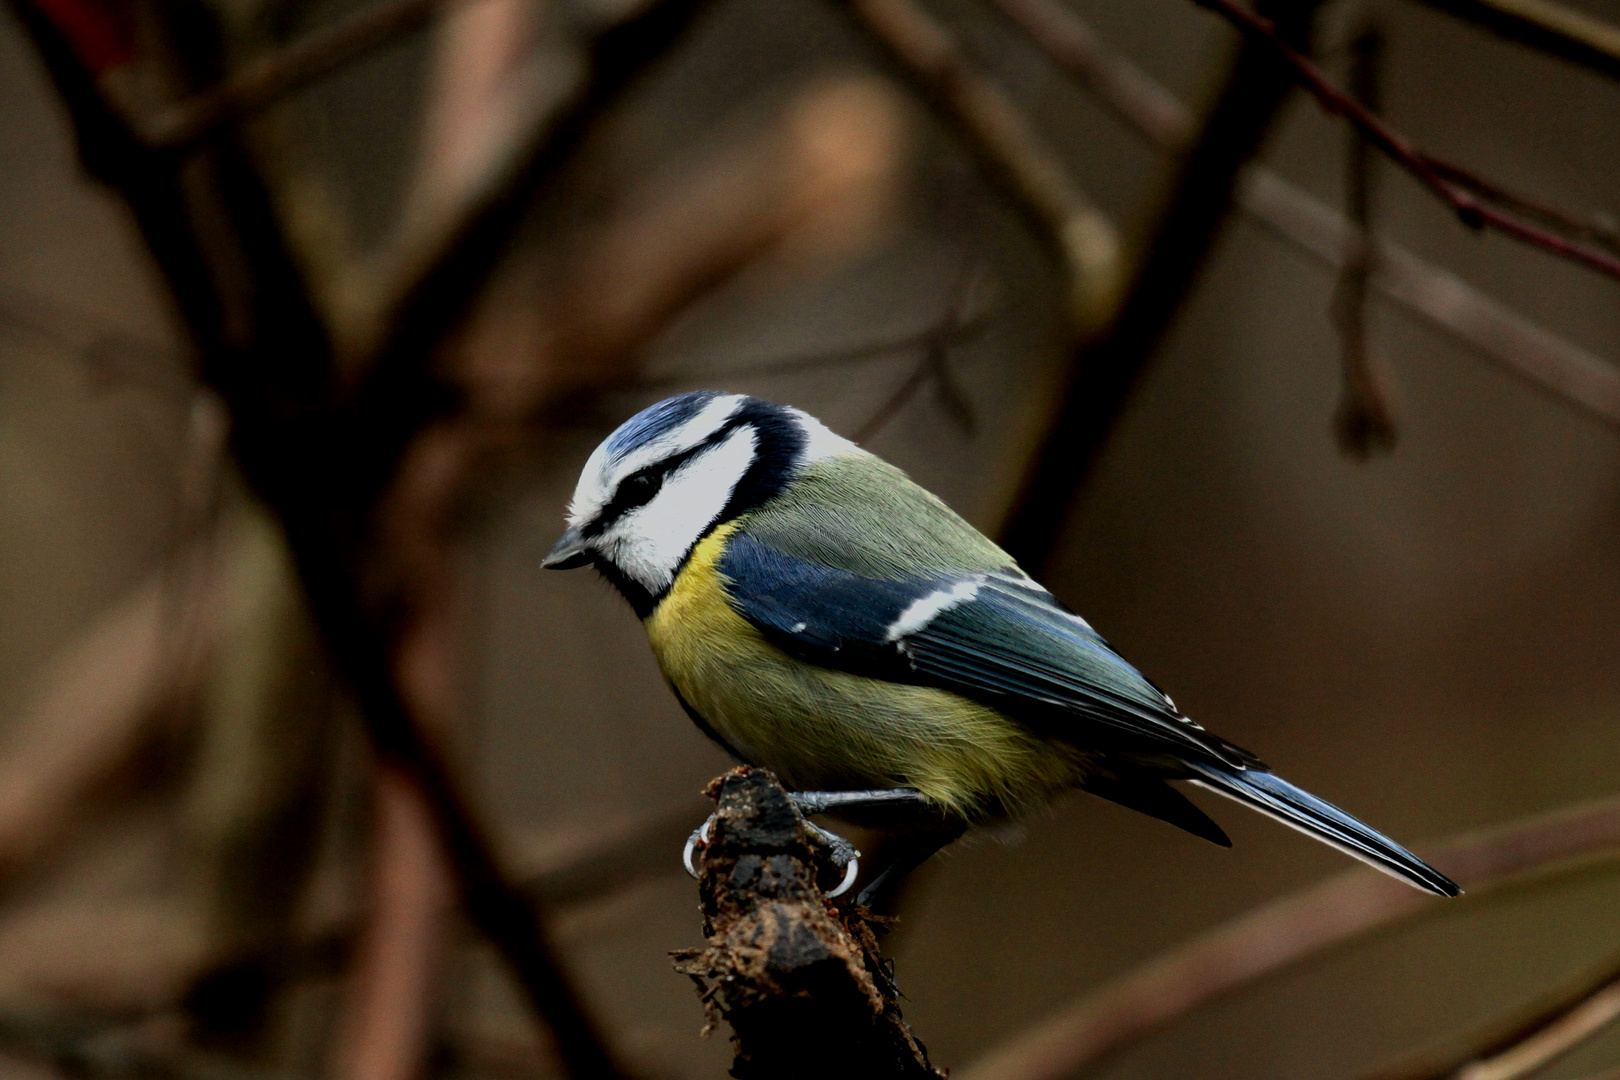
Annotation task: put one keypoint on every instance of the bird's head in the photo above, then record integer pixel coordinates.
(674, 472)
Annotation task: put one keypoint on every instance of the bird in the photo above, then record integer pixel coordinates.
(820, 615)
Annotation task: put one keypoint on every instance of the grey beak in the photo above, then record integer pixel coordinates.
(569, 551)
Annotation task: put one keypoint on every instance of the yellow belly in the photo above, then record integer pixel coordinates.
(821, 729)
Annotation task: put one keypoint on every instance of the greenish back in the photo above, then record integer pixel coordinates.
(858, 513)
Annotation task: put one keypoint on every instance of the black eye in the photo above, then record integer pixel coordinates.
(639, 489)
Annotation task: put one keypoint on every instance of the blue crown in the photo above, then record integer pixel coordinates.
(655, 420)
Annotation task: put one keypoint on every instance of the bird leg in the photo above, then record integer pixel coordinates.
(843, 852)
(819, 802)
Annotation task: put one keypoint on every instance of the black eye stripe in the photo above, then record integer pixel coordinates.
(634, 491)
(639, 489)
(642, 486)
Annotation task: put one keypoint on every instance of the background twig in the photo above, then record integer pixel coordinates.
(265, 80)
(1493, 329)
(1555, 28)
(1016, 153)
(1364, 423)
(1285, 932)
(1104, 374)
(1523, 1041)
(1429, 171)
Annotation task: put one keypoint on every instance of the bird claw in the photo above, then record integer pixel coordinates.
(850, 873)
(699, 835)
(844, 854)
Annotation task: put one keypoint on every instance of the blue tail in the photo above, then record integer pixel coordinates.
(1275, 797)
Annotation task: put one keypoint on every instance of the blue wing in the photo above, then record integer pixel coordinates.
(996, 637)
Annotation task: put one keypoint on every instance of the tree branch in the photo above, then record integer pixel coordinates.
(386, 1025)
(797, 977)
(262, 82)
(319, 469)
(1431, 172)
(1508, 1047)
(1541, 24)
(1283, 933)
(1101, 382)
(1562, 1034)
(1134, 95)
(1364, 422)
(1527, 349)
(1496, 331)
(1017, 155)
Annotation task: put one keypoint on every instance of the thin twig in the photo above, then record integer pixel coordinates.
(1581, 1022)
(1541, 24)
(393, 984)
(99, 695)
(1496, 331)
(262, 82)
(1102, 377)
(1135, 96)
(855, 354)
(602, 863)
(1596, 231)
(1432, 173)
(1029, 169)
(934, 363)
(1364, 422)
(1515, 342)
(1501, 1034)
(1280, 934)
(963, 330)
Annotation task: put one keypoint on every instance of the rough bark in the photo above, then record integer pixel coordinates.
(796, 975)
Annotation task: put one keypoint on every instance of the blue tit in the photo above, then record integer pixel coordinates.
(820, 615)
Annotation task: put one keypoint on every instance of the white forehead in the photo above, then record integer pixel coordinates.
(607, 466)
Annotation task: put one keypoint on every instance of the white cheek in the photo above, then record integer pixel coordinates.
(648, 544)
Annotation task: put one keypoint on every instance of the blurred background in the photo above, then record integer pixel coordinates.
(207, 868)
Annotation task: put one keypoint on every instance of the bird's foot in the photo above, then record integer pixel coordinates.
(843, 855)
(820, 802)
(843, 852)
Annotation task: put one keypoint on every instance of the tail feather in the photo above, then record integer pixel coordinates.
(1155, 798)
(1277, 798)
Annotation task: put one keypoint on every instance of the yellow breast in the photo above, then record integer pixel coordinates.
(823, 729)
